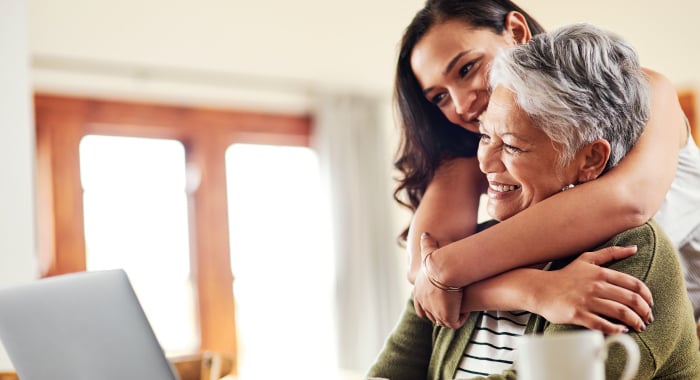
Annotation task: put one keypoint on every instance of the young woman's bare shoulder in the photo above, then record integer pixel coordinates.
(666, 108)
(459, 172)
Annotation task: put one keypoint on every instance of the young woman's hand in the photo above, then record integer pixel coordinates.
(584, 293)
(439, 306)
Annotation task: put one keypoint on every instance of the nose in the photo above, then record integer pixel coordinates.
(489, 160)
(463, 100)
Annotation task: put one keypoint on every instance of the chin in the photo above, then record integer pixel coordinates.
(500, 215)
(501, 218)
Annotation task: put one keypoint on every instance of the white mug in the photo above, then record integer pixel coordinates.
(577, 355)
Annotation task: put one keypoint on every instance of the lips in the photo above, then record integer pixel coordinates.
(499, 190)
(503, 188)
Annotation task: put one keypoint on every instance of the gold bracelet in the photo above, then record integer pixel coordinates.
(434, 281)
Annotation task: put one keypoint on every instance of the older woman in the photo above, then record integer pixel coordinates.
(564, 109)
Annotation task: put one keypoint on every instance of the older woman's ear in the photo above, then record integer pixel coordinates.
(593, 158)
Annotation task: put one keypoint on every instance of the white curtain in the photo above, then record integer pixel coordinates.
(370, 268)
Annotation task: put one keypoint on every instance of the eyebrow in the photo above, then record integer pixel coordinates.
(453, 61)
(449, 67)
(516, 136)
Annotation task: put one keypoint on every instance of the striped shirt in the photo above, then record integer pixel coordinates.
(491, 348)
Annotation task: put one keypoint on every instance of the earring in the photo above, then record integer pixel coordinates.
(567, 187)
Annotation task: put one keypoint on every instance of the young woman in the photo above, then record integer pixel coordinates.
(441, 90)
(537, 136)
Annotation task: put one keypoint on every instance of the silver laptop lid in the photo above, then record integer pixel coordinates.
(81, 326)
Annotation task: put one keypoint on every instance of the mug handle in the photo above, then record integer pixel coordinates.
(632, 362)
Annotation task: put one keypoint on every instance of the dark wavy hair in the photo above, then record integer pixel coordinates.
(427, 137)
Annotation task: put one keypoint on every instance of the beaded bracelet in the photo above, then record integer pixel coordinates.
(434, 281)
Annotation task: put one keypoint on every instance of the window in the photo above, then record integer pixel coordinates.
(688, 100)
(279, 229)
(135, 213)
(173, 155)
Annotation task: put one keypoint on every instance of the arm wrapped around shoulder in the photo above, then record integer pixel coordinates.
(669, 345)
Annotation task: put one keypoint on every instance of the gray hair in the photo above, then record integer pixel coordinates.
(578, 84)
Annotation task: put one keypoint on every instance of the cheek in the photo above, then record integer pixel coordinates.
(541, 190)
(485, 76)
(454, 118)
(532, 178)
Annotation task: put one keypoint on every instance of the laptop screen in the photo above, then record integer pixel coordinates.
(81, 326)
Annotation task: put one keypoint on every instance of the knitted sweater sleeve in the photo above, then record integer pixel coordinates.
(407, 351)
(669, 345)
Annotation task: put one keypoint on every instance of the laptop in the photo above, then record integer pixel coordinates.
(80, 326)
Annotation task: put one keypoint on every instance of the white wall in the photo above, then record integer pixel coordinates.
(664, 32)
(300, 46)
(292, 48)
(17, 226)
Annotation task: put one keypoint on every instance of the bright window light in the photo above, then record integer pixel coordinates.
(282, 263)
(135, 208)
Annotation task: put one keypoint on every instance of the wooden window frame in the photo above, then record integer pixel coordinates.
(61, 123)
(689, 103)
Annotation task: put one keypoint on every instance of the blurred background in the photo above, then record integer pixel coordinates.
(308, 221)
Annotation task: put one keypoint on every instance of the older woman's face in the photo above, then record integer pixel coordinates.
(520, 161)
(451, 63)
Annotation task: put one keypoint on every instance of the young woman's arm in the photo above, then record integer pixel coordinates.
(580, 218)
(582, 293)
(448, 209)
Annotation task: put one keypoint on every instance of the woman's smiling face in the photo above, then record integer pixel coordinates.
(451, 63)
(520, 161)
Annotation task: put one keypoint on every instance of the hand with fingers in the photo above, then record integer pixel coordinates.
(586, 294)
(431, 300)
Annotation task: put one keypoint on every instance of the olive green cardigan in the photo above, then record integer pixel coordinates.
(418, 350)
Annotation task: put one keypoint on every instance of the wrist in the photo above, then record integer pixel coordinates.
(530, 293)
(428, 270)
(441, 267)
